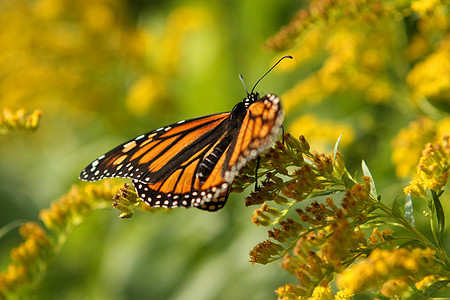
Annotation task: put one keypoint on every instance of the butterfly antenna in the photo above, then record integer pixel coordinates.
(242, 80)
(286, 56)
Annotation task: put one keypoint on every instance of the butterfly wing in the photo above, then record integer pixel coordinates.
(153, 156)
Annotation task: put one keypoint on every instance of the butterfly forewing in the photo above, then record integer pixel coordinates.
(151, 157)
(259, 128)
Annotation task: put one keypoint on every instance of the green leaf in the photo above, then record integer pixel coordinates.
(336, 146)
(412, 244)
(397, 209)
(439, 215)
(9, 227)
(434, 288)
(380, 296)
(348, 182)
(366, 172)
(409, 209)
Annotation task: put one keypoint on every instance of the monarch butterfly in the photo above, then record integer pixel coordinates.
(192, 163)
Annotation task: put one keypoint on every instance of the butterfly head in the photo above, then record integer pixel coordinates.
(250, 99)
(241, 108)
(253, 96)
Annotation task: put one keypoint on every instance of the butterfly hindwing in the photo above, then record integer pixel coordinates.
(183, 187)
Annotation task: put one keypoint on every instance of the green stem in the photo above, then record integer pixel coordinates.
(417, 234)
(432, 225)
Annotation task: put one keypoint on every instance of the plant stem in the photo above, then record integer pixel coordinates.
(417, 234)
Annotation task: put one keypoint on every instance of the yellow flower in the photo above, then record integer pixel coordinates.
(322, 133)
(409, 142)
(426, 282)
(424, 6)
(307, 91)
(48, 9)
(432, 170)
(180, 22)
(345, 294)
(394, 287)
(144, 93)
(290, 292)
(99, 16)
(31, 258)
(443, 129)
(386, 265)
(321, 292)
(10, 120)
(430, 77)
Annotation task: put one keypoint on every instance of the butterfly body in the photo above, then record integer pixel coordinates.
(193, 162)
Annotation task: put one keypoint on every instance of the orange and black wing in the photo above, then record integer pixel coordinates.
(154, 156)
(203, 180)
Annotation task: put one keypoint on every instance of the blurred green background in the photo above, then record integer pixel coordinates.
(105, 71)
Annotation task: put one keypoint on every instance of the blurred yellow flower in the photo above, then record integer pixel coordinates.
(302, 51)
(424, 6)
(99, 17)
(426, 282)
(386, 265)
(56, 51)
(290, 291)
(48, 9)
(409, 142)
(431, 77)
(357, 61)
(10, 120)
(321, 292)
(345, 294)
(321, 133)
(144, 92)
(394, 288)
(305, 91)
(181, 21)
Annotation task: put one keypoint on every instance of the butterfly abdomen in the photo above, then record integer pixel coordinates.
(210, 161)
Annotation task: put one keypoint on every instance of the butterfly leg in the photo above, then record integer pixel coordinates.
(258, 160)
(282, 134)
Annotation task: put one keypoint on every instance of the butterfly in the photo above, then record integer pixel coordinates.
(192, 163)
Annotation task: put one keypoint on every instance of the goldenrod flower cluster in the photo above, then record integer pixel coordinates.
(11, 121)
(127, 202)
(369, 52)
(359, 47)
(432, 170)
(166, 59)
(410, 141)
(322, 239)
(70, 53)
(323, 132)
(30, 260)
(328, 238)
(393, 270)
